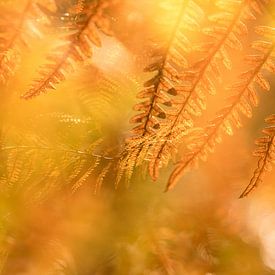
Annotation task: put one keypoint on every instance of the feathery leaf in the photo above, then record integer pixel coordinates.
(160, 90)
(228, 25)
(77, 49)
(243, 98)
(266, 153)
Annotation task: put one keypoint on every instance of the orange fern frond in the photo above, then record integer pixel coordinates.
(228, 25)
(243, 98)
(165, 85)
(77, 48)
(18, 28)
(171, 110)
(266, 153)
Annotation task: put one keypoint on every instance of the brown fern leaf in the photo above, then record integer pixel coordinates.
(29, 166)
(266, 153)
(173, 114)
(16, 30)
(165, 85)
(243, 98)
(227, 26)
(77, 48)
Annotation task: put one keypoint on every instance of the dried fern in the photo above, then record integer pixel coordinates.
(40, 170)
(266, 153)
(227, 26)
(172, 112)
(77, 48)
(168, 64)
(243, 98)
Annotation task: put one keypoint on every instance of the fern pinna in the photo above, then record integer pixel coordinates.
(243, 97)
(82, 35)
(266, 153)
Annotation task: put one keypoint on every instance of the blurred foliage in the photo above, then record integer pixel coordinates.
(61, 211)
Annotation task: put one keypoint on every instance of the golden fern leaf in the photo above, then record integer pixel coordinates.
(228, 25)
(243, 98)
(44, 169)
(77, 48)
(16, 30)
(159, 90)
(102, 175)
(109, 95)
(85, 176)
(266, 153)
(173, 114)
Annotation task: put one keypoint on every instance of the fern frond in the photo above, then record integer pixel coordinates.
(165, 85)
(102, 175)
(77, 49)
(162, 252)
(85, 176)
(266, 153)
(159, 89)
(174, 113)
(18, 28)
(227, 26)
(243, 98)
(43, 168)
(104, 91)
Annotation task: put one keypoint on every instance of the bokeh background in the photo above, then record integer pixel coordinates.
(50, 226)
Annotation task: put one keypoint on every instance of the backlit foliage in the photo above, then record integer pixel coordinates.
(265, 151)
(137, 95)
